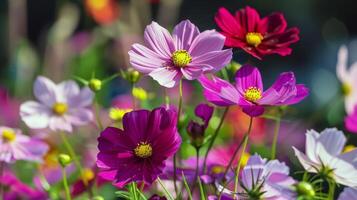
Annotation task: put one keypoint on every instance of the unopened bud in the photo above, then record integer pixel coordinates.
(305, 189)
(64, 159)
(95, 84)
(133, 76)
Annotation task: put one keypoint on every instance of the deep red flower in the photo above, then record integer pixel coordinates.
(257, 36)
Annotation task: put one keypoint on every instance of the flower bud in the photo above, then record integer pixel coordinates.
(196, 133)
(133, 76)
(64, 159)
(95, 84)
(305, 189)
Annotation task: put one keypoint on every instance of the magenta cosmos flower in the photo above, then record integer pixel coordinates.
(16, 146)
(186, 53)
(248, 91)
(139, 151)
(351, 121)
(59, 107)
(256, 36)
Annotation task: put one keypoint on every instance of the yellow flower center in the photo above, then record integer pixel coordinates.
(140, 93)
(97, 4)
(254, 38)
(87, 175)
(245, 158)
(60, 108)
(8, 135)
(143, 150)
(218, 169)
(346, 89)
(117, 114)
(181, 58)
(349, 148)
(253, 94)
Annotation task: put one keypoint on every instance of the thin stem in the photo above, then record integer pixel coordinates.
(133, 190)
(275, 138)
(165, 189)
(187, 187)
(132, 94)
(197, 162)
(215, 134)
(65, 184)
(166, 98)
(331, 192)
(2, 166)
(97, 113)
(178, 122)
(241, 156)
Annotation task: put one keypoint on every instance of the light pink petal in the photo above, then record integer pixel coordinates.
(159, 40)
(212, 61)
(191, 72)
(67, 90)
(205, 42)
(80, 116)
(60, 124)
(333, 140)
(166, 77)
(341, 67)
(83, 99)
(183, 34)
(348, 194)
(45, 91)
(35, 115)
(145, 60)
(350, 157)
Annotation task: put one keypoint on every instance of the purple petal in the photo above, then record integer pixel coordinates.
(251, 109)
(205, 42)
(35, 115)
(219, 92)
(159, 40)
(351, 121)
(166, 77)
(84, 99)
(248, 76)
(80, 116)
(184, 33)
(212, 61)
(301, 93)
(67, 90)
(204, 111)
(333, 140)
(45, 91)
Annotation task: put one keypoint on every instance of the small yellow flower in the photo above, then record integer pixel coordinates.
(117, 114)
(349, 148)
(140, 93)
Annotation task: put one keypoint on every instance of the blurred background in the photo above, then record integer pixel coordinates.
(65, 38)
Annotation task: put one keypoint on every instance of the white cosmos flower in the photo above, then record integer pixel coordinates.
(348, 79)
(324, 152)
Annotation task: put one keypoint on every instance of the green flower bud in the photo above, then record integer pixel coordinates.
(98, 198)
(134, 76)
(305, 189)
(64, 159)
(95, 84)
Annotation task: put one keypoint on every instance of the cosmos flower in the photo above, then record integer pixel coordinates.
(351, 121)
(103, 11)
(18, 190)
(248, 91)
(266, 179)
(348, 194)
(258, 37)
(187, 53)
(348, 79)
(9, 107)
(323, 155)
(16, 146)
(139, 151)
(59, 107)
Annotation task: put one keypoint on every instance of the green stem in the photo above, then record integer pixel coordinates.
(169, 196)
(187, 187)
(65, 184)
(167, 98)
(275, 138)
(97, 113)
(133, 190)
(331, 192)
(178, 122)
(241, 156)
(197, 162)
(132, 94)
(215, 134)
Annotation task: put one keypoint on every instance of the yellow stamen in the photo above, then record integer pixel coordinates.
(60, 108)
(181, 58)
(218, 169)
(253, 94)
(87, 175)
(143, 150)
(254, 38)
(117, 114)
(8, 135)
(346, 89)
(349, 148)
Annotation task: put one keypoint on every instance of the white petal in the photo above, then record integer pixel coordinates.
(341, 67)
(165, 77)
(35, 115)
(333, 140)
(306, 162)
(60, 124)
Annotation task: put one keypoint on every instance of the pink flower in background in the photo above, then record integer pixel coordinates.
(258, 37)
(16, 146)
(139, 151)
(323, 154)
(351, 121)
(248, 91)
(9, 107)
(187, 53)
(59, 107)
(348, 79)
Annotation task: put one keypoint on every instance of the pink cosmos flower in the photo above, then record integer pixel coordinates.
(16, 146)
(257, 36)
(187, 53)
(348, 79)
(351, 121)
(323, 154)
(139, 151)
(59, 107)
(9, 107)
(248, 91)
